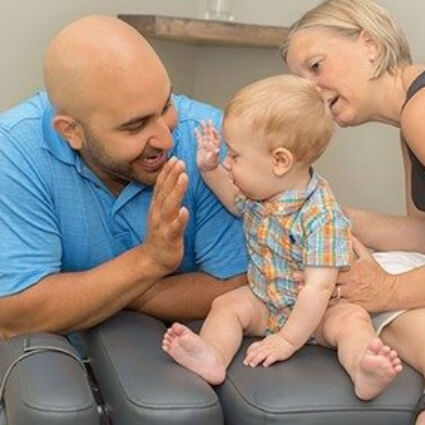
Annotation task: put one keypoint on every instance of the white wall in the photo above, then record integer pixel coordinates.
(363, 164)
(26, 26)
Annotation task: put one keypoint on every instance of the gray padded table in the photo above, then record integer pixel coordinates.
(141, 385)
(311, 388)
(45, 387)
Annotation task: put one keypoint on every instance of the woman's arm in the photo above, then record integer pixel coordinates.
(369, 285)
(388, 232)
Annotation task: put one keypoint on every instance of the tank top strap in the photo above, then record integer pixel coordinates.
(418, 169)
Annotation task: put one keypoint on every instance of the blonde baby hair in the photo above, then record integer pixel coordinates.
(289, 112)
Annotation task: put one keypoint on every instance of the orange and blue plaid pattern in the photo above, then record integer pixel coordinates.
(297, 229)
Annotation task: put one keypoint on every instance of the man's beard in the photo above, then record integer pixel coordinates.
(95, 154)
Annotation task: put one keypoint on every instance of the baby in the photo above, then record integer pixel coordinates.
(274, 130)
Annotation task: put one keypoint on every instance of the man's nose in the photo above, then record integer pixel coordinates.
(162, 138)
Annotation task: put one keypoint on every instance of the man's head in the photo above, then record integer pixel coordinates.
(112, 99)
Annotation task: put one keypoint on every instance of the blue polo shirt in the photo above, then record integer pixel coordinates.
(56, 215)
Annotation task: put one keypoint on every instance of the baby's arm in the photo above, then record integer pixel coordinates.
(305, 317)
(214, 174)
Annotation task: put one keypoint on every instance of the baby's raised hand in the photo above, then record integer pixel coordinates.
(208, 146)
(271, 349)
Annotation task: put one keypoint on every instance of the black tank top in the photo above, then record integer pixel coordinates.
(418, 169)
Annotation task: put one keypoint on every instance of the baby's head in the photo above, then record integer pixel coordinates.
(283, 111)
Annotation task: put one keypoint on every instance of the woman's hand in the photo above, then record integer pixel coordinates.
(366, 283)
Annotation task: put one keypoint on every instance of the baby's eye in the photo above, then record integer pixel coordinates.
(314, 67)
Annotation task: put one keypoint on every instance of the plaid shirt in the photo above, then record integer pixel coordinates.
(301, 228)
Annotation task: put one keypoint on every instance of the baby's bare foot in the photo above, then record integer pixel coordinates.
(378, 366)
(192, 352)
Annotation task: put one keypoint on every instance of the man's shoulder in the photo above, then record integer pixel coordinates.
(194, 111)
(24, 132)
(29, 111)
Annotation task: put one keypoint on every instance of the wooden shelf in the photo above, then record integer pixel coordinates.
(205, 32)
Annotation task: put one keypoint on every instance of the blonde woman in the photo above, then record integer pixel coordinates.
(358, 57)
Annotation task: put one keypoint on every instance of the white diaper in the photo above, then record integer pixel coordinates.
(394, 262)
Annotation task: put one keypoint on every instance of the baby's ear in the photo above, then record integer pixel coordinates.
(283, 160)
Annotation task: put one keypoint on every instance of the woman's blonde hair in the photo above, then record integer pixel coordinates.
(349, 18)
(288, 112)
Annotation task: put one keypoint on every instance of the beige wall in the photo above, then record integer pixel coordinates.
(363, 164)
(28, 25)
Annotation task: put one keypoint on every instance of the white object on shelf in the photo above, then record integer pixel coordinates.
(219, 10)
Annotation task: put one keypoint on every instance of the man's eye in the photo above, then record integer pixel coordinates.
(135, 128)
(167, 107)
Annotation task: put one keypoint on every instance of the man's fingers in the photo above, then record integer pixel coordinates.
(171, 204)
(165, 186)
(178, 226)
(163, 174)
(359, 249)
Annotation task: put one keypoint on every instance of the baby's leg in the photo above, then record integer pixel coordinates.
(370, 364)
(210, 353)
(406, 333)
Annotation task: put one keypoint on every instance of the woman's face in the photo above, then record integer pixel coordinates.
(340, 67)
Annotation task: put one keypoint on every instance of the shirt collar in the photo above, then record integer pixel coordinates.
(291, 200)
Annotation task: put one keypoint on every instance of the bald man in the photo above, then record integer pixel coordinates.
(82, 166)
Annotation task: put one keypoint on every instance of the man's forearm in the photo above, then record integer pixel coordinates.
(185, 296)
(67, 302)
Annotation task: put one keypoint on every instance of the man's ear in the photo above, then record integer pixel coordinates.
(283, 160)
(69, 129)
(371, 45)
